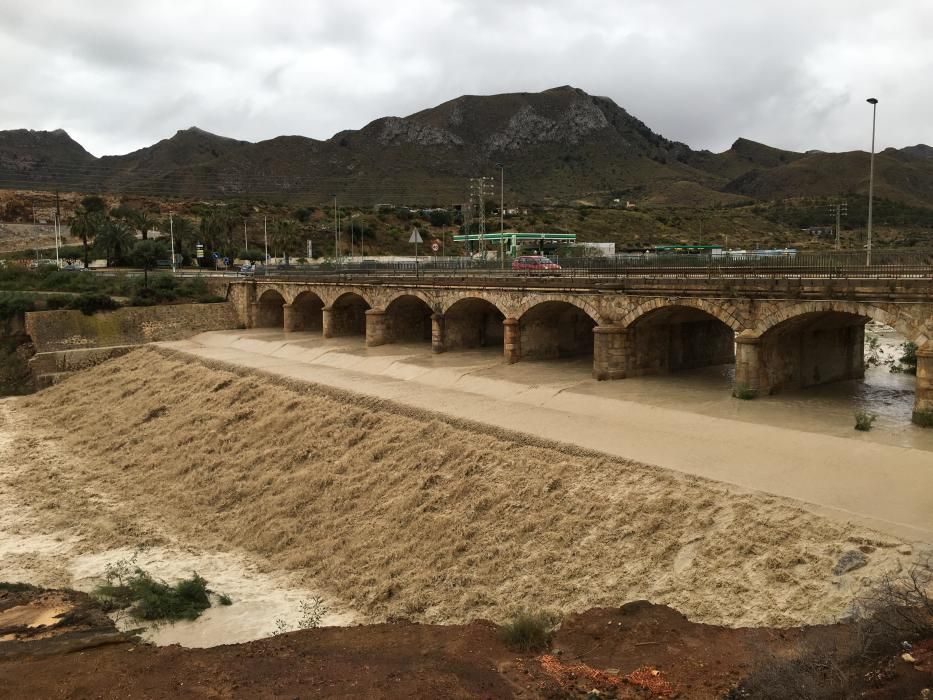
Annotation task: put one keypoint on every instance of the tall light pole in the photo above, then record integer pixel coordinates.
(336, 249)
(171, 233)
(871, 175)
(501, 214)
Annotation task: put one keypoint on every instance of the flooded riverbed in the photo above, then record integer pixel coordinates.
(828, 408)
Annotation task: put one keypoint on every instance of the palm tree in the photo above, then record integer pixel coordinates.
(142, 222)
(85, 225)
(115, 239)
(286, 235)
(217, 229)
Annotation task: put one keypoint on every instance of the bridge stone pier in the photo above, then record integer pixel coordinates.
(779, 333)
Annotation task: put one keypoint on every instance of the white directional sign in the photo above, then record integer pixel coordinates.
(415, 236)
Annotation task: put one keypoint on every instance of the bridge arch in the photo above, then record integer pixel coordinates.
(528, 302)
(473, 322)
(270, 310)
(554, 329)
(708, 307)
(813, 342)
(346, 316)
(673, 336)
(408, 319)
(785, 313)
(305, 312)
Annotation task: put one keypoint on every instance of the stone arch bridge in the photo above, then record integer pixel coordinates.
(781, 333)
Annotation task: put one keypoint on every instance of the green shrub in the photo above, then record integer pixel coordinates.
(529, 631)
(7, 587)
(145, 297)
(16, 377)
(907, 362)
(864, 420)
(128, 587)
(57, 302)
(15, 305)
(744, 393)
(89, 304)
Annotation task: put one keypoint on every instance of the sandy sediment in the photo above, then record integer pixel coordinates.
(400, 513)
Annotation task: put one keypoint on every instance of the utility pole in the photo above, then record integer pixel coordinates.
(467, 216)
(245, 239)
(871, 175)
(839, 209)
(480, 187)
(57, 229)
(171, 229)
(265, 237)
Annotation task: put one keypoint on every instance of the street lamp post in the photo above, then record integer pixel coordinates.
(871, 176)
(501, 215)
(171, 233)
(336, 235)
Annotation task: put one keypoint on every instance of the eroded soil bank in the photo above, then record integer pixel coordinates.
(395, 513)
(636, 651)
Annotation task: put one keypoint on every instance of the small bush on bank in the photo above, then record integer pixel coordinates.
(864, 420)
(9, 587)
(56, 302)
(744, 393)
(529, 631)
(15, 375)
(809, 673)
(128, 587)
(15, 305)
(89, 304)
(897, 608)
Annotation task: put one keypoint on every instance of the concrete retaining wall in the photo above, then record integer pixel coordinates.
(68, 341)
(70, 330)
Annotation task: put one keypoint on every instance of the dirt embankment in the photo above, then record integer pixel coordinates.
(397, 513)
(636, 651)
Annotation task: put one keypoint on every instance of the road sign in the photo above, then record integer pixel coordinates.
(415, 236)
(435, 246)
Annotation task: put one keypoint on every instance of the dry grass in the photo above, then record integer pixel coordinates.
(395, 512)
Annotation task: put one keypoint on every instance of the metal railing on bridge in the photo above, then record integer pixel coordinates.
(886, 264)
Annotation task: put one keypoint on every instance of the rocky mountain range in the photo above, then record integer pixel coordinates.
(560, 145)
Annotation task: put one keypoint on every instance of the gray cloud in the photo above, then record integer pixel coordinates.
(122, 75)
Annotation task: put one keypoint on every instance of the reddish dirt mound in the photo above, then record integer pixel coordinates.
(637, 651)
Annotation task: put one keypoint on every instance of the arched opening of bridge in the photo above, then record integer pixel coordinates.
(889, 376)
(810, 349)
(269, 310)
(473, 323)
(408, 320)
(346, 316)
(675, 338)
(556, 330)
(305, 313)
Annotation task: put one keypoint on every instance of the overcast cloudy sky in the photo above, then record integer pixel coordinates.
(121, 75)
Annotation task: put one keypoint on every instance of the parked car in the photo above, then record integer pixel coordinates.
(534, 262)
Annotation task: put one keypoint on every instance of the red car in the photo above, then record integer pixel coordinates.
(534, 262)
